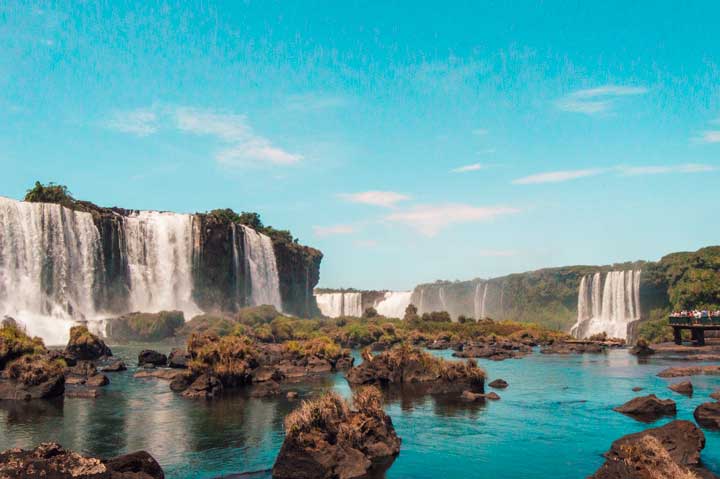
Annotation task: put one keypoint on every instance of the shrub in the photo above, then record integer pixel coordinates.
(14, 342)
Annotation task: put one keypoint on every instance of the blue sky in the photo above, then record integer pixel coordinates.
(410, 141)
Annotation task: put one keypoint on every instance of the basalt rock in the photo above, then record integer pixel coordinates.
(496, 350)
(265, 389)
(32, 377)
(474, 397)
(97, 380)
(114, 367)
(83, 345)
(409, 366)
(498, 384)
(52, 461)
(689, 371)
(642, 349)
(708, 415)
(716, 395)
(668, 452)
(685, 388)
(154, 358)
(206, 386)
(648, 408)
(326, 439)
(571, 347)
(178, 359)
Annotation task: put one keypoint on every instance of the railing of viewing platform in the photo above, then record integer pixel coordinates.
(693, 321)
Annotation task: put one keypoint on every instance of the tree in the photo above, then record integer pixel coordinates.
(370, 313)
(411, 313)
(50, 193)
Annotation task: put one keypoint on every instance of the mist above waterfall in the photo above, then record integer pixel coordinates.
(335, 305)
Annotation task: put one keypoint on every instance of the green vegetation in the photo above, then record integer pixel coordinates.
(145, 326)
(692, 279)
(14, 343)
(50, 193)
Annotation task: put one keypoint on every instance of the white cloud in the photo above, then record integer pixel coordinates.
(709, 136)
(593, 101)
(557, 176)
(386, 199)
(333, 230)
(658, 170)
(480, 132)
(141, 122)
(466, 168)
(429, 220)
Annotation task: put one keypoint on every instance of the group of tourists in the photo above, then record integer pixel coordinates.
(696, 314)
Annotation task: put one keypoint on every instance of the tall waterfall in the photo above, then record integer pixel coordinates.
(607, 303)
(394, 303)
(262, 265)
(159, 248)
(335, 305)
(49, 256)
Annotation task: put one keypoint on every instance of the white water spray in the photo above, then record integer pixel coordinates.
(262, 265)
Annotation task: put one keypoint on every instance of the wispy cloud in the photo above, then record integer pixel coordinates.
(709, 136)
(385, 199)
(567, 175)
(659, 170)
(558, 176)
(333, 230)
(593, 101)
(141, 122)
(467, 168)
(429, 220)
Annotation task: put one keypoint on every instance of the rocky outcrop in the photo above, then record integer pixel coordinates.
(151, 358)
(405, 365)
(648, 408)
(474, 397)
(32, 376)
(708, 415)
(668, 452)
(574, 347)
(144, 326)
(498, 384)
(52, 461)
(642, 348)
(689, 371)
(178, 359)
(328, 439)
(495, 350)
(83, 345)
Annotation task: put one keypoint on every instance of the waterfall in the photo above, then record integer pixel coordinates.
(441, 297)
(476, 302)
(159, 251)
(607, 305)
(335, 305)
(262, 265)
(49, 257)
(394, 303)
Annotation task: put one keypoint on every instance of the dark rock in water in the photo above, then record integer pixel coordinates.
(181, 382)
(716, 395)
(667, 452)
(83, 369)
(166, 374)
(342, 443)
(685, 388)
(265, 389)
(689, 371)
(495, 350)
(642, 348)
(267, 373)
(52, 461)
(708, 415)
(74, 380)
(146, 327)
(114, 367)
(648, 408)
(82, 393)
(206, 386)
(344, 363)
(32, 377)
(97, 380)
(178, 359)
(83, 345)
(637, 389)
(498, 384)
(408, 365)
(154, 358)
(574, 347)
(292, 395)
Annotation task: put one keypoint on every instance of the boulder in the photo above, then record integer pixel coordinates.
(84, 345)
(637, 389)
(685, 388)
(642, 348)
(52, 461)
(678, 372)
(97, 380)
(498, 384)
(150, 357)
(32, 377)
(114, 367)
(648, 408)
(82, 393)
(206, 386)
(708, 415)
(716, 395)
(292, 395)
(474, 397)
(325, 438)
(265, 389)
(668, 452)
(178, 359)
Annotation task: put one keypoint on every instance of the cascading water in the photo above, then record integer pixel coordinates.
(262, 265)
(480, 300)
(607, 305)
(49, 258)
(394, 303)
(335, 305)
(159, 249)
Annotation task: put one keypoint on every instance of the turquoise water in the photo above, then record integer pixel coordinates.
(555, 420)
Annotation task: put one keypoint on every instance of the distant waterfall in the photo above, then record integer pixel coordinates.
(159, 248)
(480, 300)
(607, 304)
(335, 305)
(394, 303)
(262, 265)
